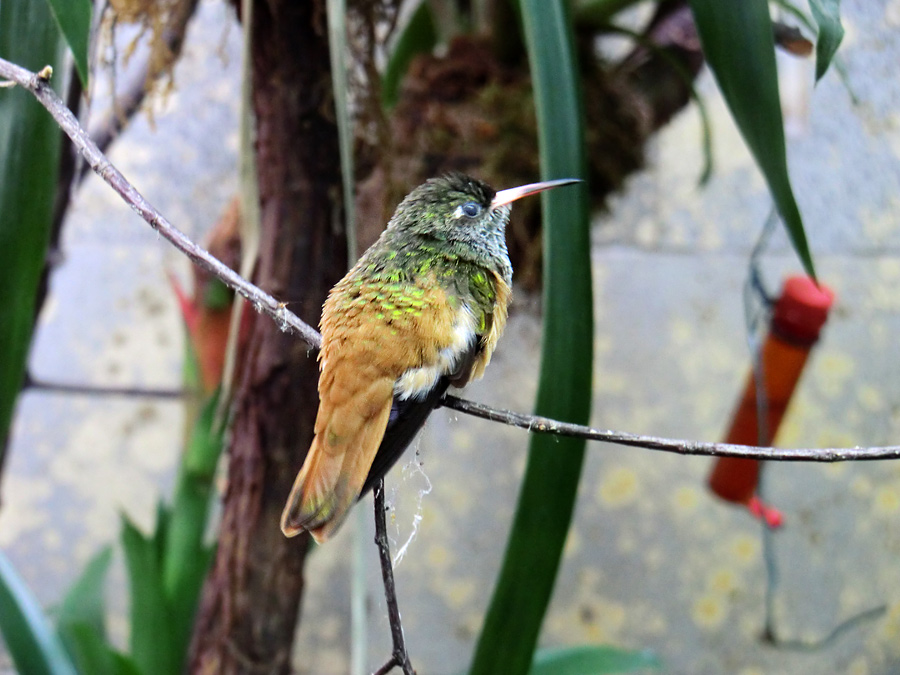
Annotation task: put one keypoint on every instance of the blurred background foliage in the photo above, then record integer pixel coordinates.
(509, 91)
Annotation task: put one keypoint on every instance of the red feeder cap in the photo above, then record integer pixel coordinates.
(802, 309)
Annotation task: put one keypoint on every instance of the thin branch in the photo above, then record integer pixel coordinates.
(545, 425)
(38, 84)
(34, 384)
(400, 656)
(288, 321)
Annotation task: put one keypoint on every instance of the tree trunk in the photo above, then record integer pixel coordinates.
(248, 612)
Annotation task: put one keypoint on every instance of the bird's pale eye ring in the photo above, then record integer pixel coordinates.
(471, 209)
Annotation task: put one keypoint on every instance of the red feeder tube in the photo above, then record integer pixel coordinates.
(799, 315)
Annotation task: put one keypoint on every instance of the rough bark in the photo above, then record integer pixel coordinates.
(249, 607)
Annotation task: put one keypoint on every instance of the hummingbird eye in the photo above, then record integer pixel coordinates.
(470, 209)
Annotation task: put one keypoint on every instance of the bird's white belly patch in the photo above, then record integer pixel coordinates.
(416, 382)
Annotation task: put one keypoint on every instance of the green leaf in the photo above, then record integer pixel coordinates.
(590, 660)
(217, 296)
(74, 20)
(94, 656)
(151, 629)
(83, 604)
(548, 491)
(739, 47)
(418, 36)
(161, 533)
(185, 559)
(34, 647)
(124, 665)
(84, 601)
(827, 14)
(89, 651)
(29, 156)
(808, 23)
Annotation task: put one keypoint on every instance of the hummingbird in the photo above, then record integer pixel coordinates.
(420, 311)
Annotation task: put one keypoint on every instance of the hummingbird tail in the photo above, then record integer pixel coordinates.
(332, 477)
(313, 500)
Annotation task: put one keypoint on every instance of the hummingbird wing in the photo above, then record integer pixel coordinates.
(408, 416)
(373, 338)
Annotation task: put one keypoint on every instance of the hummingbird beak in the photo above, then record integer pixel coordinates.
(512, 194)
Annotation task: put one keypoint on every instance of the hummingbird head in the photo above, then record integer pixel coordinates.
(464, 213)
(449, 208)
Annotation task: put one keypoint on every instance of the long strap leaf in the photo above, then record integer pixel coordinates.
(739, 47)
(549, 488)
(29, 156)
(32, 643)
